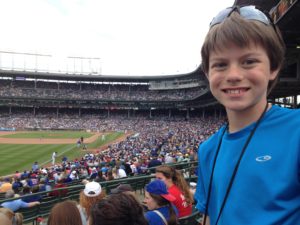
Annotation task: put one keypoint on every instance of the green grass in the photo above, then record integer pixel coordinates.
(20, 157)
(50, 134)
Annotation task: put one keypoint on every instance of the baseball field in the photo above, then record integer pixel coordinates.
(19, 150)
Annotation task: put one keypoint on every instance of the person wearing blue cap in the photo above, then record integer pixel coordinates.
(159, 203)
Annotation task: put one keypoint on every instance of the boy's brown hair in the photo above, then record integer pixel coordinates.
(243, 32)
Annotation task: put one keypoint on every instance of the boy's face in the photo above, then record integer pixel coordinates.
(239, 77)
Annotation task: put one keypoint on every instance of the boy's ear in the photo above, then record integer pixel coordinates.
(274, 74)
(206, 74)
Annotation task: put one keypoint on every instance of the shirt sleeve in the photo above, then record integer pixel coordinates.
(23, 204)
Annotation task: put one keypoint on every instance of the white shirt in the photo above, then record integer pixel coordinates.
(121, 173)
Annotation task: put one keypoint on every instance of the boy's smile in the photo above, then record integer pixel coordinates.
(235, 91)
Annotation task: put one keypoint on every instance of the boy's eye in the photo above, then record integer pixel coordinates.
(219, 65)
(249, 61)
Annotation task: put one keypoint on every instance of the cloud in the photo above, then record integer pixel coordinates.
(132, 36)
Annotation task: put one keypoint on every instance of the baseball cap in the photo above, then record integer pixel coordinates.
(193, 184)
(121, 188)
(158, 187)
(92, 189)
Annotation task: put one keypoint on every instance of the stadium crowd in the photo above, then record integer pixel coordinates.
(155, 142)
(98, 122)
(48, 90)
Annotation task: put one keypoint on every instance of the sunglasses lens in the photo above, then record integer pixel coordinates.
(221, 16)
(251, 13)
(247, 12)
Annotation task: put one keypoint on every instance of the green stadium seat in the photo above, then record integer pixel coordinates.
(73, 194)
(46, 206)
(29, 214)
(2, 195)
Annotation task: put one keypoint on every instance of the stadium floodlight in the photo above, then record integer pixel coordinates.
(24, 61)
(87, 65)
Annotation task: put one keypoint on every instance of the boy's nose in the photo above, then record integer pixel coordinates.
(234, 73)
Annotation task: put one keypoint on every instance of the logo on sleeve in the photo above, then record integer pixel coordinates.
(263, 158)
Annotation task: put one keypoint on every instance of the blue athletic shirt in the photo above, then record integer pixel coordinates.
(266, 189)
(154, 219)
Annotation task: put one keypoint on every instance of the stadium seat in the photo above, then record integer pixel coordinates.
(73, 193)
(193, 219)
(2, 195)
(29, 214)
(45, 207)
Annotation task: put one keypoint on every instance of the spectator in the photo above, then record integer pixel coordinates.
(4, 219)
(159, 202)
(154, 161)
(6, 185)
(14, 218)
(17, 185)
(169, 159)
(94, 173)
(73, 175)
(60, 184)
(64, 213)
(109, 175)
(17, 174)
(32, 198)
(14, 205)
(120, 173)
(91, 195)
(64, 159)
(178, 187)
(118, 209)
(100, 177)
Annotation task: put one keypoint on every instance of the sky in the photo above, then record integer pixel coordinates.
(109, 37)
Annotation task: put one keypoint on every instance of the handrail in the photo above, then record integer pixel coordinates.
(190, 165)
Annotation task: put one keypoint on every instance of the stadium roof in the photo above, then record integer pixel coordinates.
(263, 4)
(20, 75)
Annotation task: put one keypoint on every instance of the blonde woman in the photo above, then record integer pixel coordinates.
(91, 195)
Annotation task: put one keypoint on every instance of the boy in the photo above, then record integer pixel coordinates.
(249, 170)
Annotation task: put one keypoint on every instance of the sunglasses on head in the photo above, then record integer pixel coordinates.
(247, 12)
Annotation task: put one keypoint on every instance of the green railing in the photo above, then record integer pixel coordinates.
(73, 191)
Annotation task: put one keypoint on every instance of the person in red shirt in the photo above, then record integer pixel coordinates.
(178, 187)
(59, 193)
